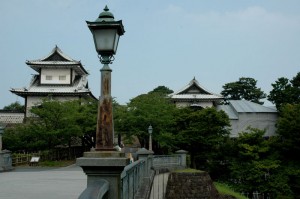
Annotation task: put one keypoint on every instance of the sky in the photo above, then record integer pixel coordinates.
(166, 43)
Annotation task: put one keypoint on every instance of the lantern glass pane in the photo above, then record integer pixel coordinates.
(116, 42)
(105, 39)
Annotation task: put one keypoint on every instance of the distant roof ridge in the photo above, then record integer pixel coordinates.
(57, 50)
(192, 82)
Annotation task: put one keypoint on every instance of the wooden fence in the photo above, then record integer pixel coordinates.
(51, 155)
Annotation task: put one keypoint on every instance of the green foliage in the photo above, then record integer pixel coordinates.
(173, 128)
(254, 168)
(224, 189)
(288, 127)
(188, 170)
(162, 89)
(245, 88)
(285, 91)
(141, 111)
(16, 106)
(56, 123)
(62, 163)
(201, 132)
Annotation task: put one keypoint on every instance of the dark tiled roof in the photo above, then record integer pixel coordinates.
(194, 91)
(57, 59)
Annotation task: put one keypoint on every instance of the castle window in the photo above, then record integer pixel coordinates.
(48, 77)
(62, 77)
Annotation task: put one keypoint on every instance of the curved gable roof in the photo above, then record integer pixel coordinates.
(57, 59)
(195, 91)
(193, 88)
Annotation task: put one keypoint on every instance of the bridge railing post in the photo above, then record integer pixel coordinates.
(144, 154)
(148, 174)
(182, 154)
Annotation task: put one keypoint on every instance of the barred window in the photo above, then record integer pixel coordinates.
(62, 77)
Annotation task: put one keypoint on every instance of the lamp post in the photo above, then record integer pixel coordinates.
(106, 32)
(150, 129)
(104, 166)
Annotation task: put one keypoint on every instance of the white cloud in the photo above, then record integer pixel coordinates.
(252, 17)
(174, 9)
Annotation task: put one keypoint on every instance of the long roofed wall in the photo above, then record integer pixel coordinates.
(242, 113)
(11, 117)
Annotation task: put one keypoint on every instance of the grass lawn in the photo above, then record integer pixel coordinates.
(225, 190)
(189, 170)
(62, 163)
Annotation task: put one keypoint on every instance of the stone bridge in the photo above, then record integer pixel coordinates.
(113, 178)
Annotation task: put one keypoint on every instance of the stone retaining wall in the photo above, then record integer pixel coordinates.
(191, 186)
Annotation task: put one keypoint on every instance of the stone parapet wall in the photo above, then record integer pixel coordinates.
(5, 161)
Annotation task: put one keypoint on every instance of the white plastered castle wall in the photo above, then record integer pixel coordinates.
(56, 76)
(187, 104)
(37, 100)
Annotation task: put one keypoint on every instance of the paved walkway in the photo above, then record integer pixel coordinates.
(46, 183)
(159, 186)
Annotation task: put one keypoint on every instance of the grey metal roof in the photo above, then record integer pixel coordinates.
(229, 111)
(250, 107)
(243, 106)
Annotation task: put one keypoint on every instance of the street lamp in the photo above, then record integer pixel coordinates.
(106, 32)
(150, 130)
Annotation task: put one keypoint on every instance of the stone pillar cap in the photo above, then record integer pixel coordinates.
(181, 152)
(144, 151)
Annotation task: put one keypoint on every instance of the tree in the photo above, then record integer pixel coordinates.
(56, 123)
(253, 166)
(15, 106)
(296, 80)
(58, 120)
(245, 89)
(288, 128)
(201, 132)
(25, 137)
(285, 91)
(143, 110)
(119, 113)
(162, 89)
